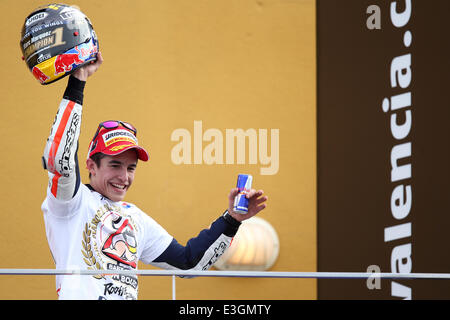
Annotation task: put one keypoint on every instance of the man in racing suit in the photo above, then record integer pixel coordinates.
(91, 227)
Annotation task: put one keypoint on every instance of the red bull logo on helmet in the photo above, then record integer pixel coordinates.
(64, 62)
(73, 58)
(87, 50)
(56, 67)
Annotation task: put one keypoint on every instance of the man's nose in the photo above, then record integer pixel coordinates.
(123, 175)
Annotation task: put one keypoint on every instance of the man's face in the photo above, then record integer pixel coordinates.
(115, 174)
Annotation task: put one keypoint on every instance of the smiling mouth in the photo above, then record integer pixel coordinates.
(119, 186)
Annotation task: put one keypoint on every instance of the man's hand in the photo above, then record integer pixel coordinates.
(255, 204)
(87, 70)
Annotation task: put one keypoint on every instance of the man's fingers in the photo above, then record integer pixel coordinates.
(254, 193)
(259, 208)
(261, 200)
(99, 58)
(256, 200)
(233, 193)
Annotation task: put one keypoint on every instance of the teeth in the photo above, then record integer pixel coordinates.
(118, 186)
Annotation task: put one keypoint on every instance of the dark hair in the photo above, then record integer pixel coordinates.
(97, 158)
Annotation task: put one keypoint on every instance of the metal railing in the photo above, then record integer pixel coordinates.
(233, 274)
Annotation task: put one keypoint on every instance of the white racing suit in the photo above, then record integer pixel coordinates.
(86, 230)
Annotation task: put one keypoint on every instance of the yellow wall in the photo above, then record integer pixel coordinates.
(228, 63)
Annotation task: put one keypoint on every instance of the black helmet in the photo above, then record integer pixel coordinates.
(56, 40)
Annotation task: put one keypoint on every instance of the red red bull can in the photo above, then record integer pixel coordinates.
(244, 184)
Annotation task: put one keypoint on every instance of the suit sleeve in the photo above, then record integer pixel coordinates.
(60, 154)
(201, 252)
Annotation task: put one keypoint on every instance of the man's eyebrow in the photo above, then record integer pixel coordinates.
(114, 162)
(120, 162)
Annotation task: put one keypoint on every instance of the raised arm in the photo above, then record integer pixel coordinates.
(201, 252)
(60, 154)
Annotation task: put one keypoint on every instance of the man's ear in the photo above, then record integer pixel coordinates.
(91, 166)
